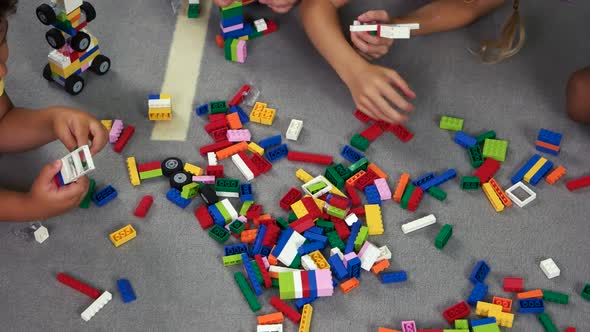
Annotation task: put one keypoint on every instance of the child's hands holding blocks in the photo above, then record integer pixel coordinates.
(372, 47)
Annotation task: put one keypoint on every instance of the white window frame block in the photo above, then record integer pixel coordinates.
(41, 234)
(419, 224)
(550, 269)
(98, 304)
(319, 178)
(518, 201)
(294, 130)
(71, 165)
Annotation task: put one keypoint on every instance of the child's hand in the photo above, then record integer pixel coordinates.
(76, 128)
(223, 3)
(372, 47)
(46, 199)
(372, 89)
(279, 6)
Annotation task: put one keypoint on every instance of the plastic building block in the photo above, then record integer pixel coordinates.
(294, 130)
(202, 110)
(108, 124)
(274, 318)
(519, 176)
(531, 306)
(104, 196)
(570, 329)
(261, 164)
(361, 238)
(144, 206)
(439, 179)
(235, 249)
(401, 132)
(133, 173)
(401, 187)
(276, 153)
(214, 147)
(115, 131)
(241, 163)
(500, 193)
(40, 233)
(349, 285)
(123, 235)
(518, 201)
(423, 179)
(586, 292)
(550, 269)
(380, 266)
(457, 311)
(470, 183)
(174, 196)
(475, 156)
(505, 303)
(484, 321)
(306, 315)
(88, 198)
(382, 188)
(461, 324)
(534, 294)
(98, 304)
(359, 142)
(451, 123)
(547, 148)
(219, 233)
(548, 141)
(364, 118)
(270, 141)
(231, 150)
(250, 272)
(238, 135)
(478, 293)
(218, 107)
(367, 179)
(292, 196)
(372, 195)
(418, 224)
(443, 236)
(537, 176)
(437, 193)
(361, 164)
(464, 140)
(487, 309)
(289, 312)
(555, 297)
(350, 154)
(78, 285)
(234, 122)
(487, 170)
(76, 164)
(487, 135)
(247, 291)
(310, 158)
(578, 183)
(123, 139)
(547, 323)
(555, 175)
(493, 197)
(127, 293)
(270, 328)
(480, 272)
(495, 149)
(159, 107)
(393, 277)
(374, 219)
(372, 132)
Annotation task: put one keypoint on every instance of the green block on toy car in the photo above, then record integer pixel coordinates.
(475, 156)
(361, 164)
(255, 34)
(359, 142)
(88, 198)
(451, 123)
(470, 183)
(218, 106)
(190, 190)
(437, 193)
(361, 238)
(218, 233)
(237, 226)
(245, 206)
(406, 197)
(232, 11)
(495, 149)
(151, 174)
(443, 236)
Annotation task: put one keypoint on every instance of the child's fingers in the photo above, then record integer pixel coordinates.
(379, 16)
(374, 103)
(280, 9)
(81, 133)
(370, 40)
(391, 95)
(388, 112)
(399, 82)
(99, 138)
(48, 172)
(74, 190)
(65, 134)
(360, 44)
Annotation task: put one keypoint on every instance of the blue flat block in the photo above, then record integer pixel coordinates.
(173, 195)
(531, 306)
(310, 247)
(244, 118)
(337, 267)
(313, 236)
(351, 154)
(478, 293)
(315, 229)
(464, 140)
(231, 21)
(483, 321)
(216, 215)
(519, 176)
(354, 268)
(372, 195)
(282, 241)
(257, 246)
(238, 33)
(246, 193)
(393, 277)
(549, 137)
(270, 141)
(423, 179)
(545, 150)
(299, 303)
(313, 286)
(251, 275)
(235, 249)
(354, 232)
(265, 251)
(154, 97)
(60, 179)
(88, 53)
(480, 272)
(438, 180)
(541, 173)
(277, 153)
(127, 293)
(105, 195)
(202, 110)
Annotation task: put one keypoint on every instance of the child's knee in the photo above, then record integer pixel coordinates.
(578, 96)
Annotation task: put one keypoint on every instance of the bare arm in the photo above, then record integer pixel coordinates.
(15, 206)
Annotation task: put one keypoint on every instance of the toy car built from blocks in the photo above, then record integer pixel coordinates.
(74, 165)
(76, 50)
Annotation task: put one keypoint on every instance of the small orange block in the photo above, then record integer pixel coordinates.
(401, 187)
(504, 302)
(380, 266)
(377, 171)
(555, 175)
(534, 294)
(231, 150)
(274, 318)
(355, 177)
(349, 285)
(233, 119)
(248, 236)
(547, 146)
(383, 329)
(262, 217)
(272, 260)
(219, 40)
(500, 192)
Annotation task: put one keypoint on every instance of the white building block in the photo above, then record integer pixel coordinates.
(102, 300)
(72, 166)
(384, 253)
(294, 129)
(308, 263)
(550, 269)
(418, 224)
(230, 208)
(369, 256)
(260, 25)
(394, 32)
(518, 201)
(212, 159)
(241, 165)
(227, 194)
(315, 180)
(351, 219)
(336, 251)
(270, 328)
(41, 234)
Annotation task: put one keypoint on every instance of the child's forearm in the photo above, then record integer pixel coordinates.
(321, 23)
(14, 206)
(445, 15)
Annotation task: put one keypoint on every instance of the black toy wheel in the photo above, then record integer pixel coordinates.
(80, 41)
(100, 65)
(180, 179)
(55, 38)
(171, 166)
(74, 84)
(88, 11)
(47, 73)
(208, 194)
(45, 14)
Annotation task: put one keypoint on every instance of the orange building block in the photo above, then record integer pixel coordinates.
(231, 150)
(248, 236)
(383, 329)
(233, 119)
(256, 220)
(504, 302)
(500, 192)
(349, 285)
(380, 266)
(534, 294)
(547, 146)
(377, 171)
(355, 177)
(274, 318)
(401, 187)
(272, 260)
(555, 175)
(219, 40)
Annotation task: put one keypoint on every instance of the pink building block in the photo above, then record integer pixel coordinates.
(325, 287)
(383, 189)
(243, 219)
(409, 326)
(242, 51)
(206, 179)
(231, 28)
(266, 263)
(239, 135)
(348, 257)
(115, 132)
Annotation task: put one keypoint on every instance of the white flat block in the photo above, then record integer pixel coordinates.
(550, 269)
(230, 208)
(418, 224)
(363, 28)
(41, 234)
(227, 194)
(102, 300)
(297, 285)
(518, 201)
(351, 219)
(384, 253)
(270, 328)
(279, 269)
(212, 158)
(393, 32)
(294, 129)
(315, 180)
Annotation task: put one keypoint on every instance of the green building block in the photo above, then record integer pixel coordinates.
(245, 206)
(247, 291)
(151, 174)
(193, 10)
(461, 324)
(257, 272)
(190, 190)
(255, 34)
(296, 263)
(292, 217)
(486, 328)
(342, 171)
(337, 175)
(314, 188)
(232, 11)
(548, 325)
(335, 241)
(406, 197)
(361, 164)
(286, 289)
(495, 149)
(555, 297)
(218, 233)
(359, 142)
(275, 283)
(232, 260)
(437, 193)
(470, 183)
(219, 106)
(88, 198)
(443, 236)
(451, 123)
(336, 212)
(373, 33)
(234, 50)
(227, 49)
(361, 238)
(487, 135)
(327, 226)
(282, 223)
(227, 185)
(475, 156)
(224, 212)
(237, 226)
(586, 292)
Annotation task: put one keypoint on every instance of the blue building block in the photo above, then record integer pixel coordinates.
(391, 277)
(541, 173)
(372, 195)
(478, 293)
(480, 272)
(545, 150)
(244, 118)
(438, 180)
(313, 287)
(257, 246)
(251, 275)
(88, 54)
(202, 110)
(60, 179)
(299, 303)
(277, 153)
(282, 241)
(519, 176)
(173, 195)
(351, 154)
(464, 140)
(246, 193)
(354, 232)
(315, 229)
(235, 249)
(337, 267)
(216, 215)
(306, 248)
(265, 251)
(423, 179)
(314, 236)
(231, 21)
(106, 195)
(531, 306)
(127, 293)
(483, 321)
(238, 33)
(354, 268)
(270, 141)
(549, 137)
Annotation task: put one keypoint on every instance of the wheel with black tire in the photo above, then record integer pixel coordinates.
(100, 65)
(80, 42)
(180, 179)
(55, 38)
(171, 165)
(74, 84)
(45, 14)
(47, 73)
(88, 11)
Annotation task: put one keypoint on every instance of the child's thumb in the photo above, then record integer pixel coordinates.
(48, 171)
(380, 16)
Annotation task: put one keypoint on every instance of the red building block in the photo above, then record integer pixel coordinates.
(302, 224)
(311, 207)
(367, 179)
(238, 98)
(214, 147)
(289, 312)
(401, 132)
(359, 211)
(292, 196)
(487, 170)
(78, 285)
(272, 234)
(216, 171)
(262, 164)
(144, 206)
(362, 116)
(513, 284)
(341, 228)
(578, 183)
(310, 158)
(415, 199)
(339, 202)
(263, 271)
(271, 27)
(217, 117)
(570, 329)
(372, 133)
(457, 311)
(222, 122)
(203, 216)
(254, 211)
(253, 168)
(123, 139)
(149, 166)
(219, 135)
(354, 196)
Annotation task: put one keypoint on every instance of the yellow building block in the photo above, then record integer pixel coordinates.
(123, 235)
(107, 124)
(257, 111)
(493, 197)
(306, 314)
(299, 209)
(267, 116)
(503, 319)
(88, 59)
(193, 169)
(374, 219)
(529, 175)
(303, 175)
(255, 148)
(160, 114)
(133, 173)
(334, 190)
(486, 309)
(319, 260)
(165, 96)
(71, 15)
(320, 203)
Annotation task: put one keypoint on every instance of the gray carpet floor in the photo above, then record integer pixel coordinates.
(176, 269)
